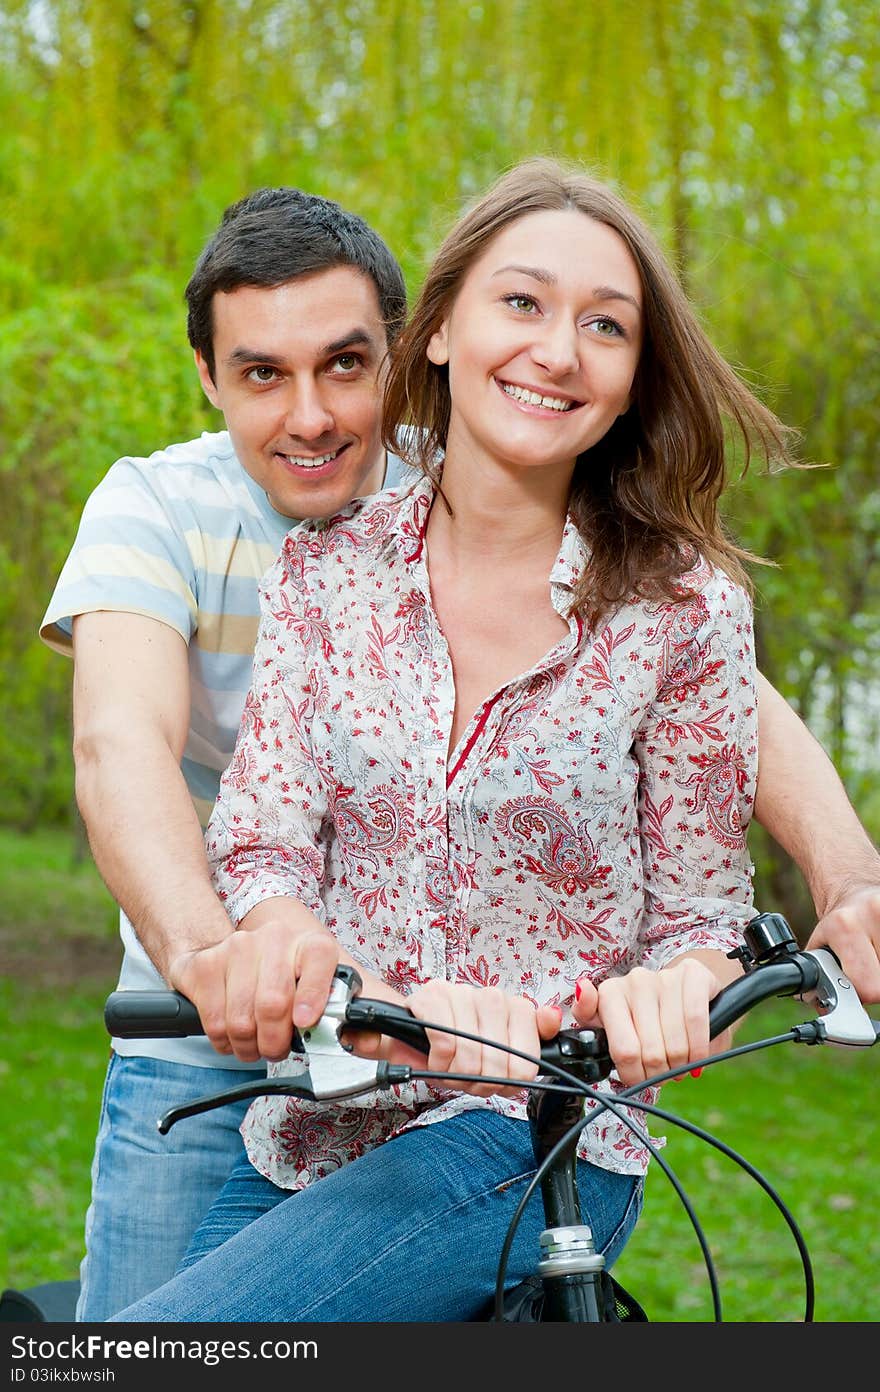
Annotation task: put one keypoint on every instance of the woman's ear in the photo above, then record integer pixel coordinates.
(438, 346)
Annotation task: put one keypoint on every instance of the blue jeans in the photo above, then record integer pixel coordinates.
(150, 1192)
(411, 1231)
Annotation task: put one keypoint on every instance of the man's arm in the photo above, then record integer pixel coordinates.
(131, 699)
(803, 804)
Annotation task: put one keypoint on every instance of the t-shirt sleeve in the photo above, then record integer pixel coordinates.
(131, 555)
(398, 472)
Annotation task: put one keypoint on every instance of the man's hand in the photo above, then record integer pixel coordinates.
(252, 988)
(851, 928)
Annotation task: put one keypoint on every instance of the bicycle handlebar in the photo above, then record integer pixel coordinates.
(773, 966)
(327, 1071)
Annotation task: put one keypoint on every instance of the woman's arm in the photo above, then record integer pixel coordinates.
(802, 803)
(697, 752)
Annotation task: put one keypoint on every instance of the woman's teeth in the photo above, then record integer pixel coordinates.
(555, 403)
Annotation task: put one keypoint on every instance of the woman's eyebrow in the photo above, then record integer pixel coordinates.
(601, 292)
(536, 272)
(608, 292)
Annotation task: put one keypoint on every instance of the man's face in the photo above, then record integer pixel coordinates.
(298, 376)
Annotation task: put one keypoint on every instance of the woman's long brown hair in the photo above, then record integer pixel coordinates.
(645, 497)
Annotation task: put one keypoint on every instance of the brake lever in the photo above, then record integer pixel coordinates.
(334, 1070)
(843, 1019)
(326, 1070)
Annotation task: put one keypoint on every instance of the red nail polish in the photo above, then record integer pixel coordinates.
(695, 1072)
(577, 990)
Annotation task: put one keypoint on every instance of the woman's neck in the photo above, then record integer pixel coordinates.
(497, 512)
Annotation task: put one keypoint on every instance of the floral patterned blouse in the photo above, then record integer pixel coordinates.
(592, 817)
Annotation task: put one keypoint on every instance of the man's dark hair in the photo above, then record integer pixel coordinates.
(278, 234)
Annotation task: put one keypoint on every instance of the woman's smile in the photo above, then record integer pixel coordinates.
(547, 321)
(535, 400)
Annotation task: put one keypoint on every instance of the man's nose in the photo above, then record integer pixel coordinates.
(307, 414)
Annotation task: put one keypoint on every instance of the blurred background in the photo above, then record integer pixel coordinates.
(746, 132)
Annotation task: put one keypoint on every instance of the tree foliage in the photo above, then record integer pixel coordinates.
(745, 130)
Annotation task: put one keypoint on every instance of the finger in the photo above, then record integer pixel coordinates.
(432, 1002)
(585, 1006)
(368, 1044)
(241, 984)
(617, 1018)
(273, 1002)
(548, 1020)
(855, 941)
(527, 1027)
(684, 1024)
(316, 959)
(202, 979)
(467, 1054)
(495, 1012)
(697, 991)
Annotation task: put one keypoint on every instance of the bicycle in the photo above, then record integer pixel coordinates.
(570, 1283)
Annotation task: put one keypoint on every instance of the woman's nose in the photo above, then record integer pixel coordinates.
(556, 348)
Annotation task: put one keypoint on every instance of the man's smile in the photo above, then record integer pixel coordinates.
(312, 463)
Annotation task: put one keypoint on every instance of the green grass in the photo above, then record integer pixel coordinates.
(50, 1093)
(807, 1118)
(58, 960)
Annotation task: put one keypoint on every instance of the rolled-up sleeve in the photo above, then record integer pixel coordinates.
(697, 751)
(264, 838)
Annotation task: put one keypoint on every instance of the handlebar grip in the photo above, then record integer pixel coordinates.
(151, 1015)
(587, 1048)
(390, 1019)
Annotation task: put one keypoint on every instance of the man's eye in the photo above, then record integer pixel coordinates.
(347, 362)
(262, 373)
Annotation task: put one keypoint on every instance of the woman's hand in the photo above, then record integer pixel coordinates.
(655, 1020)
(482, 1010)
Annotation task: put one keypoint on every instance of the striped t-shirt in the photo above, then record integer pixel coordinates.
(183, 536)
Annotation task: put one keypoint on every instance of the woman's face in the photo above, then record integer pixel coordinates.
(542, 342)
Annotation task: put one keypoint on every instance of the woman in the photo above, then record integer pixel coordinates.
(500, 753)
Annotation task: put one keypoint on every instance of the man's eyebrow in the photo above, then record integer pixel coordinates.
(356, 338)
(253, 355)
(601, 292)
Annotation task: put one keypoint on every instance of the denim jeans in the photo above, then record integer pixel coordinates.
(411, 1231)
(150, 1192)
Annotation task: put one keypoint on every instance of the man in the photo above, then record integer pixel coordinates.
(292, 306)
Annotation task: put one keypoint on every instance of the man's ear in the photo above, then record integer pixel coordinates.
(438, 345)
(207, 381)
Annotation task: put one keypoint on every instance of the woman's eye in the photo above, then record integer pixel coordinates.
(262, 373)
(523, 304)
(607, 328)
